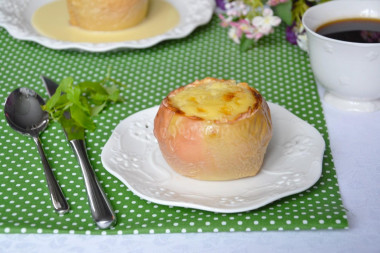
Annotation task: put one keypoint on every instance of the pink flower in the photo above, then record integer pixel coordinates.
(244, 25)
(225, 21)
(256, 36)
(275, 2)
(235, 19)
(248, 29)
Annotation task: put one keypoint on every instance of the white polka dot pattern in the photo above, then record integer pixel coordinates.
(280, 71)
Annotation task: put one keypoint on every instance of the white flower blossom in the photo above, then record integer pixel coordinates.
(237, 8)
(234, 33)
(265, 23)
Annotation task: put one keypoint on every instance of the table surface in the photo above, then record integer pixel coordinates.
(354, 142)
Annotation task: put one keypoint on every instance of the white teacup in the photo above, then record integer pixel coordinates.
(349, 72)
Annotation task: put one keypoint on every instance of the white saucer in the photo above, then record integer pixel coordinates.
(293, 163)
(351, 105)
(16, 16)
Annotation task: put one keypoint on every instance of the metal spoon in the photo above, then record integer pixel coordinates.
(24, 114)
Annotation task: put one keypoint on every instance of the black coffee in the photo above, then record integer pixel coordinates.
(358, 30)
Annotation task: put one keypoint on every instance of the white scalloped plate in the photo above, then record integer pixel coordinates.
(293, 163)
(16, 15)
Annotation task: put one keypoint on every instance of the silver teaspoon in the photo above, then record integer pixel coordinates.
(24, 114)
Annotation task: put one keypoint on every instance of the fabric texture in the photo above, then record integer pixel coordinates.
(280, 71)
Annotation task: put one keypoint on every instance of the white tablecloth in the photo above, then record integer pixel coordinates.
(355, 144)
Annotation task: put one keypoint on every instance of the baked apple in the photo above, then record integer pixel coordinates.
(214, 129)
(106, 15)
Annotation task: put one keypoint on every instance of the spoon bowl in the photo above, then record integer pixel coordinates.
(24, 114)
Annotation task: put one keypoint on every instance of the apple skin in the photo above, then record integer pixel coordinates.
(214, 150)
(110, 15)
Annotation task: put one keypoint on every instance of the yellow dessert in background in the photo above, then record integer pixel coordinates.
(106, 15)
(214, 129)
(161, 17)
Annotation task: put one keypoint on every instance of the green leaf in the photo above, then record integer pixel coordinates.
(75, 96)
(99, 98)
(97, 109)
(246, 43)
(56, 98)
(73, 131)
(84, 102)
(92, 87)
(284, 11)
(114, 93)
(82, 118)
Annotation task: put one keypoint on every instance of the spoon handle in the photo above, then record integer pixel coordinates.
(101, 208)
(57, 198)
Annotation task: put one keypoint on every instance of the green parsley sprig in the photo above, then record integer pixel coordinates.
(84, 101)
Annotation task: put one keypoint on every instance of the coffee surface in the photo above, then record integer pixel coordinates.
(359, 30)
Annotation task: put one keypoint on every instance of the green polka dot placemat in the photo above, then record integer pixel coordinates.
(279, 70)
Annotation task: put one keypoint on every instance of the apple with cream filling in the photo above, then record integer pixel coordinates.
(106, 15)
(214, 129)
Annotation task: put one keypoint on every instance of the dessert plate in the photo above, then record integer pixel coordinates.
(292, 164)
(16, 16)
